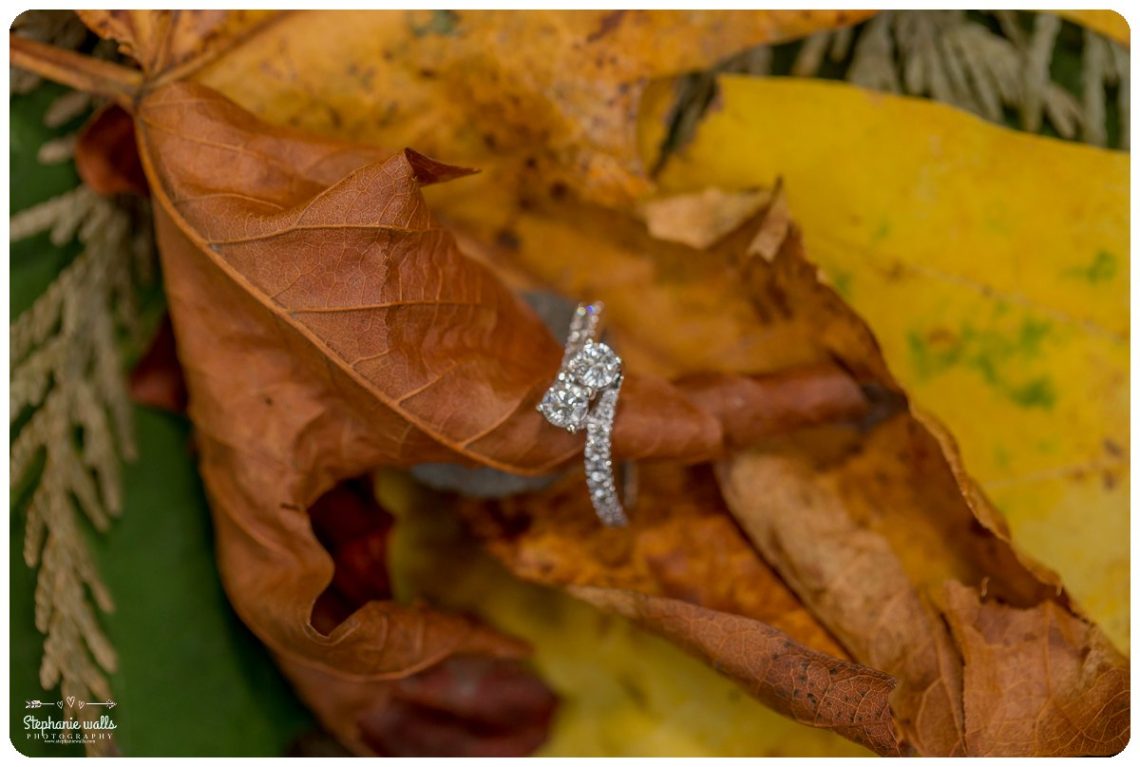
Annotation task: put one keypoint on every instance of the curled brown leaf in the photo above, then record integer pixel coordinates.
(162, 40)
(868, 528)
(106, 157)
(811, 687)
(328, 325)
(465, 705)
(1038, 680)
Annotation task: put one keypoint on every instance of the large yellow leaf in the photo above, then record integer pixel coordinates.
(993, 267)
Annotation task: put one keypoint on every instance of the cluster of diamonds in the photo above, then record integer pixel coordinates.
(584, 394)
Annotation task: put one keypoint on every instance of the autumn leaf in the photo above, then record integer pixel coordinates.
(371, 340)
(549, 93)
(156, 379)
(468, 706)
(810, 687)
(624, 691)
(858, 578)
(257, 479)
(465, 705)
(1045, 669)
(550, 537)
(865, 532)
(897, 515)
(993, 268)
(163, 41)
(731, 609)
(106, 157)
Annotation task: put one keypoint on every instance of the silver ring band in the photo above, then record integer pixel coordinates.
(585, 394)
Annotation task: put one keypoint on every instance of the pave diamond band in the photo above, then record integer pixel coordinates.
(585, 394)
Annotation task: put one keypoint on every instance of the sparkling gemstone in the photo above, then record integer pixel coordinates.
(565, 405)
(596, 366)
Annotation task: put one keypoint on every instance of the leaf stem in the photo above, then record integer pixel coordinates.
(77, 71)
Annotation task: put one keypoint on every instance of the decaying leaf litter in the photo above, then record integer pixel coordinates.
(762, 269)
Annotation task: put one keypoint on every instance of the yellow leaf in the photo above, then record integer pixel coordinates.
(993, 267)
(552, 93)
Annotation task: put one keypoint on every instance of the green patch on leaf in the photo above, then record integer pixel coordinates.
(444, 23)
(1101, 269)
(1037, 393)
(841, 281)
(997, 356)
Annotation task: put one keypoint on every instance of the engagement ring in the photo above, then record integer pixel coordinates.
(584, 394)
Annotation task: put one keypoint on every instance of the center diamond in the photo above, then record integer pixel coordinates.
(565, 404)
(596, 366)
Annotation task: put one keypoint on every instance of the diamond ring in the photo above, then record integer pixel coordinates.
(584, 394)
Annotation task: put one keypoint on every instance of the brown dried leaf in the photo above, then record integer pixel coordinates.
(730, 609)
(432, 712)
(863, 523)
(553, 538)
(1037, 680)
(156, 380)
(106, 156)
(808, 686)
(162, 40)
(326, 325)
(365, 285)
(867, 529)
(465, 705)
(671, 309)
(275, 427)
(850, 578)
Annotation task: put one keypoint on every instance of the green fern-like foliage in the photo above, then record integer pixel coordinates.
(69, 404)
(70, 414)
(996, 70)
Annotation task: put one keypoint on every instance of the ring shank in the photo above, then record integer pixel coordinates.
(599, 461)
